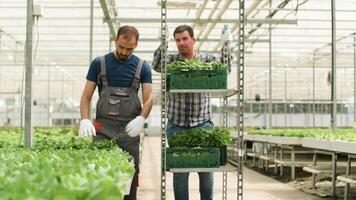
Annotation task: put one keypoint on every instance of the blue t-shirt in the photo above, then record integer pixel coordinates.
(119, 73)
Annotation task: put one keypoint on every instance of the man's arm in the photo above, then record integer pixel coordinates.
(134, 127)
(147, 99)
(85, 99)
(156, 63)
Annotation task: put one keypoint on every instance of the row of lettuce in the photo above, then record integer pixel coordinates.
(345, 134)
(61, 166)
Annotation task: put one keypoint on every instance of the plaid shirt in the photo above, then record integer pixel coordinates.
(186, 109)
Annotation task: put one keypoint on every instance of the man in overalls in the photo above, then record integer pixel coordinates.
(119, 114)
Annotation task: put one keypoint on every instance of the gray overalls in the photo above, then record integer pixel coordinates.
(115, 108)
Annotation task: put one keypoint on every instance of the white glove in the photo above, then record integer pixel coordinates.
(226, 36)
(86, 128)
(134, 127)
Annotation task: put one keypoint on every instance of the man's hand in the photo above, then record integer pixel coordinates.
(86, 128)
(134, 127)
(226, 36)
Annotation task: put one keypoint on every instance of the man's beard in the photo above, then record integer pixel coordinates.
(121, 56)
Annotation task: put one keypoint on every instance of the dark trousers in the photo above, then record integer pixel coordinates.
(133, 189)
(132, 146)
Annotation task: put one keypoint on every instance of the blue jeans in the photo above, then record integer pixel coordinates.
(180, 180)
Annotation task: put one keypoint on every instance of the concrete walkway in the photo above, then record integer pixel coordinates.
(256, 186)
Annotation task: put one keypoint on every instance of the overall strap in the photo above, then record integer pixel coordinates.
(137, 79)
(138, 69)
(103, 71)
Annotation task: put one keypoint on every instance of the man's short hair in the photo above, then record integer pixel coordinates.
(182, 28)
(128, 32)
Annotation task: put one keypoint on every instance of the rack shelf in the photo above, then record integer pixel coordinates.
(214, 92)
(225, 168)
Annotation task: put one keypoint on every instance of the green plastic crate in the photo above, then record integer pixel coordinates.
(192, 157)
(198, 79)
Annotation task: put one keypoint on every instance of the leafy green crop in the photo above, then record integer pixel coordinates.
(199, 137)
(195, 64)
(341, 134)
(62, 166)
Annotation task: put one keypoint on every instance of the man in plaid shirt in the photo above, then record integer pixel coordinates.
(188, 110)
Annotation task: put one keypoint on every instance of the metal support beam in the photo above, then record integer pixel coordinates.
(225, 120)
(0, 55)
(354, 77)
(200, 11)
(91, 30)
(203, 21)
(107, 18)
(285, 98)
(270, 73)
(270, 16)
(164, 32)
(334, 165)
(265, 102)
(208, 40)
(226, 60)
(313, 108)
(333, 66)
(91, 48)
(211, 14)
(28, 76)
(252, 8)
(210, 26)
(240, 99)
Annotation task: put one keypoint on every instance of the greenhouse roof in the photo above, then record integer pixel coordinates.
(300, 39)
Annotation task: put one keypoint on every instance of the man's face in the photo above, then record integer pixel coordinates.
(125, 46)
(184, 42)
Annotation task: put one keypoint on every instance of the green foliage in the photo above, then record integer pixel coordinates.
(62, 166)
(56, 131)
(326, 134)
(42, 130)
(199, 137)
(195, 64)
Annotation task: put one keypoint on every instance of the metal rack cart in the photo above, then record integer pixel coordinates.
(225, 94)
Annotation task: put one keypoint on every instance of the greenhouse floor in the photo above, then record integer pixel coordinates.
(256, 186)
